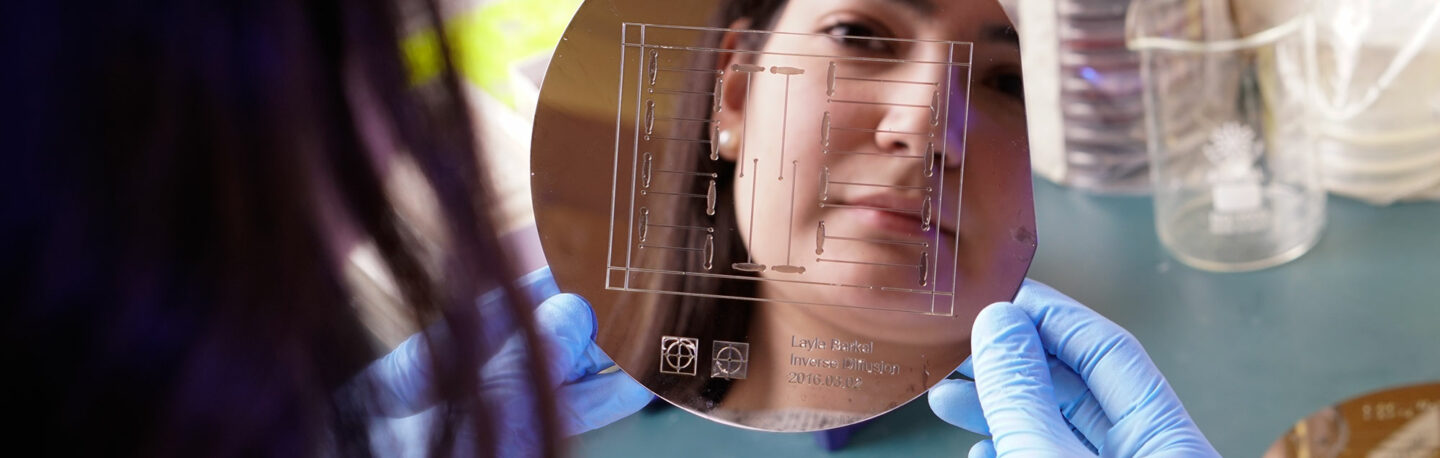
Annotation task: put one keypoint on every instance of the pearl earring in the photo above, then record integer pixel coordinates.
(728, 140)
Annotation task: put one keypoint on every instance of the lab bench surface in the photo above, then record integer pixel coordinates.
(1249, 353)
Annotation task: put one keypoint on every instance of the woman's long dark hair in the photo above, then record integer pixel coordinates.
(169, 283)
(710, 318)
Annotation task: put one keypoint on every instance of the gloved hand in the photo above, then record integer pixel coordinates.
(585, 398)
(1054, 378)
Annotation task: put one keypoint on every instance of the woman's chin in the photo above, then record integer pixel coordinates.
(857, 292)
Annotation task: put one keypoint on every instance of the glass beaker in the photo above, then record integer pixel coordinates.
(1233, 165)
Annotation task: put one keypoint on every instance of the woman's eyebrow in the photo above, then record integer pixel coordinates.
(923, 7)
(1003, 33)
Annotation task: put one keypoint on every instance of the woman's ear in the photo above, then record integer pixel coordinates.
(733, 90)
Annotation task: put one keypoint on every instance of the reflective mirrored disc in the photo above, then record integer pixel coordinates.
(785, 214)
(1399, 422)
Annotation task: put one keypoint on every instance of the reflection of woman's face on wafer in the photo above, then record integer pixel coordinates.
(735, 142)
(867, 137)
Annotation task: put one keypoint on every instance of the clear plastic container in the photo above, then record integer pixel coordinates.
(1233, 164)
(1377, 96)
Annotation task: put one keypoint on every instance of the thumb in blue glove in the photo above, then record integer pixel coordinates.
(1053, 377)
(585, 398)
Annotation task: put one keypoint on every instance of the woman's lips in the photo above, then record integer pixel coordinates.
(889, 221)
(893, 213)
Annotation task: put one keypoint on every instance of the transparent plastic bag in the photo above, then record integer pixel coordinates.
(1377, 97)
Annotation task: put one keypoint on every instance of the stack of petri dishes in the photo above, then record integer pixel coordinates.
(1095, 138)
(1100, 100)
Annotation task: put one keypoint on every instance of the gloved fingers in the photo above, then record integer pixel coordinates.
(1012, 380)
(967, 369)
(566, 325)
(592, 360)
(400, 380)
(1107, 357)
(599, 400)
(957, 403)
(1077, 404)
(1134, 395)
(538, 285)
(1172, 434)
(585, 357)
(982, 449)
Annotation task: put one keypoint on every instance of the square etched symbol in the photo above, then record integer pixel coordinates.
(729, 360)
(679, 355)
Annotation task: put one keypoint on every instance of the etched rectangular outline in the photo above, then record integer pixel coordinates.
(946, 309)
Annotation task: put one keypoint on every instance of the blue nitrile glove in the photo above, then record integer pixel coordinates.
(584, 398)
(1054, 378)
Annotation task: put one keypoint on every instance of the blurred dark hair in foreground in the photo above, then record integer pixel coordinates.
(181, 180)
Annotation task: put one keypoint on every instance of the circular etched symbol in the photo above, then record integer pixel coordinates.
(728, 361)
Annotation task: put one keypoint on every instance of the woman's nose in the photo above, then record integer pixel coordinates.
(908, 126)
(915, 122)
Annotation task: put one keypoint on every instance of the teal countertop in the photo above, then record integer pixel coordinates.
(1248, 353)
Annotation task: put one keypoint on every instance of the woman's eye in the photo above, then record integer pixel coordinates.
(858, 36)
(1008, 83)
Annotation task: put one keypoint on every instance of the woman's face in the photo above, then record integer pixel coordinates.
(866, 180)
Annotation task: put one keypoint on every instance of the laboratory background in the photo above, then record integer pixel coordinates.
(1250, 188)
(1256, 326)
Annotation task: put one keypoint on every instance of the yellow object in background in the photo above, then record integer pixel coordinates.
(489, 39)
(500, 49)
